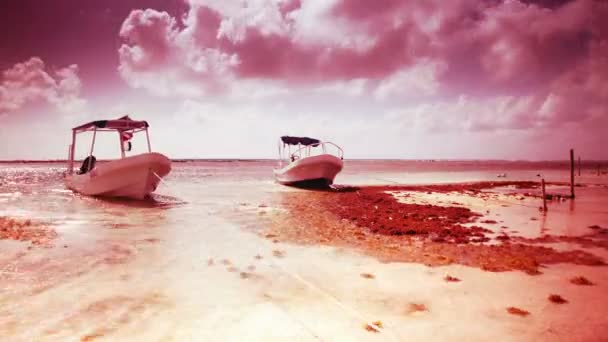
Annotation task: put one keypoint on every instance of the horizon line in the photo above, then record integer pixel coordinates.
(219, 159)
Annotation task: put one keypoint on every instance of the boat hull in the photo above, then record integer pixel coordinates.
(131, 177)
(317, 170)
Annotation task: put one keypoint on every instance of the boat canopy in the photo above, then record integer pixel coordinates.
(124, 123)
(300, 141)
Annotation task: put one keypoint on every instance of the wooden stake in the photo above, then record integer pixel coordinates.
(579, 166)
(571, 173)
(542, 182)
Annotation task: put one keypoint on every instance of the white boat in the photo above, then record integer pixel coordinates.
(130, 176)
(310, 163)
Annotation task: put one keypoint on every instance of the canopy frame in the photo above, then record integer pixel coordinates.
(306, 141)
(303, 150)
(121, 126)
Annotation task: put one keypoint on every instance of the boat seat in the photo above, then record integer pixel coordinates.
(87, 165)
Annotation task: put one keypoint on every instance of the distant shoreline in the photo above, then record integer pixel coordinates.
(221, 160)
(52, 161)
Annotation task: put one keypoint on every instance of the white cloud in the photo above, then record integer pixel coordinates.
(29, 83)
(468, 114)
(166, 61)
(355, 87)
(421, 79)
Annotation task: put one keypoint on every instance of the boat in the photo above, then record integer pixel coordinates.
(310, 164)
(134, 177)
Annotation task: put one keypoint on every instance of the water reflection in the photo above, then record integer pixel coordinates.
(154, 201)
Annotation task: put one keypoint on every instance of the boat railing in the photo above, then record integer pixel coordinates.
(120, 131)
(306, 151)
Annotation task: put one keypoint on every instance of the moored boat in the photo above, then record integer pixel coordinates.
(130, 176)
(310, 163)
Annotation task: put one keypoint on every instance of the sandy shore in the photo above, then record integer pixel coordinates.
(257, 261)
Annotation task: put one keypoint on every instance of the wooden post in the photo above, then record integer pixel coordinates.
(571, 173)
(579, 166)
(542, 182)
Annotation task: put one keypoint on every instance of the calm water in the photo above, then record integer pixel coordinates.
(171, 269)
(192, 189)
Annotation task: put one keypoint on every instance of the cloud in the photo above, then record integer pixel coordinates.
(220, 42)
(534, 43)
(467, 114)
(355, 87)
(165, 60)
(419, 80)
(244, 130)
(504, 64)
(581, 93)
(29, 83)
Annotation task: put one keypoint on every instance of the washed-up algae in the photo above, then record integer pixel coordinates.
(557, 299)
(414, 308)
(448, 278)
(30, 273)
(374, 326)
(373, 221)
(26, 230)
(580, 280)
(517, 311)
(595, 239)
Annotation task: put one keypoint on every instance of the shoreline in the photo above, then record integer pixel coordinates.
(374, 220)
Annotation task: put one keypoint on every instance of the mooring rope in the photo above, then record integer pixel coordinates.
(163, 181)
(352, 312)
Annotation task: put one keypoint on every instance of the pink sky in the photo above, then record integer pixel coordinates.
(458, 79)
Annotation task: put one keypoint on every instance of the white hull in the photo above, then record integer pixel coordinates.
(131, 177)
(322, 168)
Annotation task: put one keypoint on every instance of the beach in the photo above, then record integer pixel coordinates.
(397, 251)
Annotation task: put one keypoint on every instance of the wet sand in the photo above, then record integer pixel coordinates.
(378, 222)
(226, 254)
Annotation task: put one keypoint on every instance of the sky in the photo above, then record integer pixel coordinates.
(432, 79)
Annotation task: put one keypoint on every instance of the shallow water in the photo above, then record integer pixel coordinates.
(192, 265)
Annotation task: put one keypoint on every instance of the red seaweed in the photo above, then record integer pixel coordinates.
(517, 311)
(557, 299)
